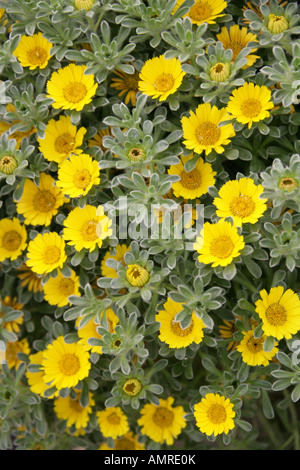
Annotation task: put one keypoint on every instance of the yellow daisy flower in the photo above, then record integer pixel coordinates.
(40, 203)
(201, 129)
(252, 350)
(128, 84)
(78, 174)
(8, 164)
(277, 24)
(136, 275)
(279, 311)
(220, 71)
(204, 11)
(70, 88)
(132, 387)
(219, 243)
(112, 422)
(250, 103)
(12, 351)
(86, 227)
(194, 183)
(214, 414)
(61, 139)
(106, 271)
(89, 330)
(65, 364)
(36, 379)
(33, 51)
(240, 199)
(162, 423)
(237, 39)
(160, 77)
(46, 252)
(13, 238)
(59, 288)
(70, 410)
(30, 280)
(127, 442)
(13, 325)
(171, 331)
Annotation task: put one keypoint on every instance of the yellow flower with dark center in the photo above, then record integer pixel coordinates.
(220, 72)
(13, 325)
(162, 423)
(288, 183)
(237, 39)
(46, 252)
(112, 422)
(240, 199)
(13, 238)
(36, 379)
(252, 350)
(136, 153)
(12, 351)
(40, 203)
(8, 164)
(33, 51)
(277, 24)
(65, 364)
(128, 84)
(194, 183)
(78, 174)
(219, 243)
(136, 275)
(106, 271)
(160, 77)
(279, 311)
(86, 228)
(58, 289)
(250, 103)
(70, 88)
(61, 140)
(70, 410)
(132, 387)
(30, 280)
(202, 130)
(204, 11)
(172, 333)
(89, 330)
(214, 414)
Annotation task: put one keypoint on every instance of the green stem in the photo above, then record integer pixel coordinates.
(269, 430)
(241, 279)
(295, 426)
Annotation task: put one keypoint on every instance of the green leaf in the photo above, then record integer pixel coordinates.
(295, 396)
(269, 344)
(252, 267)
(229, 272)
(243, 425)
(267, 405)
